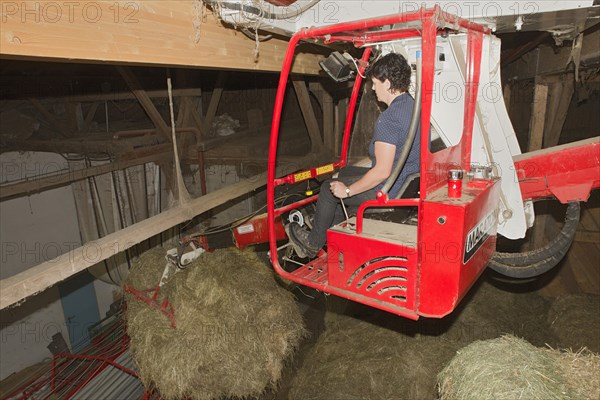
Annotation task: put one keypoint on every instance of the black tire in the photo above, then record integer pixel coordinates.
(536, 262)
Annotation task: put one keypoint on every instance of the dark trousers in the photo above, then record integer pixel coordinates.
(329, 208)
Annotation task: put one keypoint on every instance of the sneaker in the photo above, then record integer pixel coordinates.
(299, 240)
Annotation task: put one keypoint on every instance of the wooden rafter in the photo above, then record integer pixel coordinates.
(51, 119)
(145, 101)
(125, 160)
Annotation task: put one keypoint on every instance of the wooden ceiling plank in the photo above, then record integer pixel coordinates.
(149, 33)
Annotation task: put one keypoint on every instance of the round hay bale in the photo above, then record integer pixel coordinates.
(235, 327)
(575, 320)
(356, 360)
(582, 372)
(504, 368)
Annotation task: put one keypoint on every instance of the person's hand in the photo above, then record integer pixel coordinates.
(338, 189)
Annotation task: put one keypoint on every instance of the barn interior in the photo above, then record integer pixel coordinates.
(126, 126)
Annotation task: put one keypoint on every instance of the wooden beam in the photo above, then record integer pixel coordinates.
(126, 160)
(549, 60)
(51, 119)
(514, 54)
(538, 115)
(87, 123)
(536, 136)
(61, 146)
(130, 96)
(145, 101)
(17, 288)
(314, 131)
(562, 95)
(548, 117)
(326, 101)
(97, 143)
(140, 32)
(328, 125)
(341, 109)
(215, 99)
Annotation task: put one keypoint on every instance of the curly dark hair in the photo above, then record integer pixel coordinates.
(394, 67)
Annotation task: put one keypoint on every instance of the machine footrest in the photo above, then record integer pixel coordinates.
(315, 271)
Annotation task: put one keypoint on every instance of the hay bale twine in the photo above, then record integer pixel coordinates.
(575, 320)
(235, 327)
(357, 360)
(511, 368)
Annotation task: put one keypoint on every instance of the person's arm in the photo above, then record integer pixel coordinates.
(384, 154)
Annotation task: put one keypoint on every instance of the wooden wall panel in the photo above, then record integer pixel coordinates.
(141, 32)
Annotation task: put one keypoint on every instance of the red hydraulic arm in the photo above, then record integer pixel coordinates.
(568, 172)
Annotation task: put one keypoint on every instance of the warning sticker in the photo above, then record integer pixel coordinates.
(325, 169)
(302, 176)
(243, 229)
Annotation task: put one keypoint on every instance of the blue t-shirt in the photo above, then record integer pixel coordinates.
(392, 127)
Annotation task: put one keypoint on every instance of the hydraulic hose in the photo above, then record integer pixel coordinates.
(259, 11)
(536, 262)
(412, 131)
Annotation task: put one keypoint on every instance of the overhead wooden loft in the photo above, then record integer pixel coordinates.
(173, 33)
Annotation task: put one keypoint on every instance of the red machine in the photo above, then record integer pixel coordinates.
(427, 268)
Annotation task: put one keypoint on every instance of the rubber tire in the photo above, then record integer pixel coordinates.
(536, 262)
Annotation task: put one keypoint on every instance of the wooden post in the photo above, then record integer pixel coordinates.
(538, 116)
(328, 117)
(340, 121)
(536, 135)
(547, 121)
(561, 97)
(214, 102)
(328, 130)
(312, 125)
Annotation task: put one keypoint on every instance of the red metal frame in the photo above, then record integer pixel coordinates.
(67, 374)
(165, 307)
(333, 272)
(568, 172)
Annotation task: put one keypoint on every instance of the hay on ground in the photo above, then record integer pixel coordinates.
(511, 368)
(575, 320)
(235, 327)
(357, 360)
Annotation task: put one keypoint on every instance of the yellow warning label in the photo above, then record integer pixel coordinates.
(302, 176)
(325, 169)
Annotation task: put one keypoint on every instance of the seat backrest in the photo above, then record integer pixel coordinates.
(410, 187)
